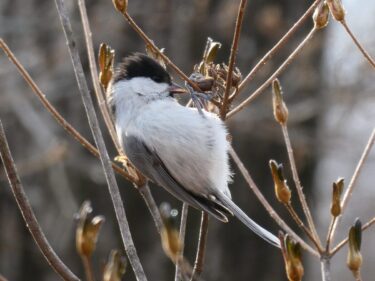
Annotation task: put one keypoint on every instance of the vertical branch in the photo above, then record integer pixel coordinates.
(88, 268)
(353, 181)
(184, 214)
(297, 182)
(28, 214)
(232, 58)
(201, 249)
(95, 129)
(325, 266)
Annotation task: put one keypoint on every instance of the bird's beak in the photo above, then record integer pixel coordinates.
(176, 89)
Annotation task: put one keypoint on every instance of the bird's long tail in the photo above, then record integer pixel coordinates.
(252, 225)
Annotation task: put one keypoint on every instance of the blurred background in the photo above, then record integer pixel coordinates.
(329, 90)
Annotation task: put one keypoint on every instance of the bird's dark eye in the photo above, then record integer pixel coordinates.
(157, 79)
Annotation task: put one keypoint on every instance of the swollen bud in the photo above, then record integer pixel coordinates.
(280, 111)
(282, 190)
(106, 58)
(337, 9)
(354, 259)
(337, 189)
(321, 15)
(293, 259)
(169, 233)
(115, 267)
(87, 231)
(121, 5)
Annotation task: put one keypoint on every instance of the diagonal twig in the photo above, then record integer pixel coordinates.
(232, 59)
(28, 214)
(106, 162)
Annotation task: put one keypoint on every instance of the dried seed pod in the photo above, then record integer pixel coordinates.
(106, 59)
(121, 5)
(293, 259)
(337, 9)
(115, 267)
(354, 259)
(321, 15)
(280, 110)
(337, 189)
(282, 191)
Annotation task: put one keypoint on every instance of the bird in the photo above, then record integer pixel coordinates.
(172, 145)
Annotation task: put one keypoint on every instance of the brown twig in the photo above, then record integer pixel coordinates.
(52, 110)
(201, 249)
(232, 59)
(28, 214)
(95, 129)
(88, 268)
(249, 77)
(2, 278)
(343, 242)
(95, 78)
(151, 204)
(356, 42)
(353, 180)
(245, 173)
(268, 82)
(298, 185)
(184, 214)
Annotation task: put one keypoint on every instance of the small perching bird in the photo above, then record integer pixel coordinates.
(172, 145)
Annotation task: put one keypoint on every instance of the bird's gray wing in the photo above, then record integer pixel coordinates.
(148, 162)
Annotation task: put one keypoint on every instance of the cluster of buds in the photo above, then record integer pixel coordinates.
(354, 259)
(87, 231)
(115, 267)
(106, 59)
(280, 111)
(282, 191)
(292, 257)
(169, 234)
(337, 189)
(321, 15)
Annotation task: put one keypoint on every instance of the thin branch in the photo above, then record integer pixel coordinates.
(88, 268)
(55, 114)
(298, 185)
(356, 42)
(329, 234)
(28, 214)
(2, 278)
(232, 59)
(300, 223)
(95, 78)
(184, 214)
(353, 180)
(325, 265)
(151, 204)
(201, 249)
(282, 67)
(245, 173)
(278, 45)
(95, 129)
(343, 242)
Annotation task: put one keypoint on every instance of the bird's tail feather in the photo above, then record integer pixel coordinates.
(252, 225)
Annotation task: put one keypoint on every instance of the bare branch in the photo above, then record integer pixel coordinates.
(95, 129)
(245, 173)
(28, 214)
(353, 180)
(325, 265)
(201, 249)
(281, 68)
(232, 58)
(184, 214)
(298, 185)
(88, 268)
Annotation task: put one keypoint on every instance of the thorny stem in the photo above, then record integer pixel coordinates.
(268, 82)
(201, 249)
(95, 129)
(232, 59)
(245, 173)
(298, 185)
(88, 268)
(300, 223)
(53, 111)
(184, 214)
(278, 45)
(325, 265)
(95, 78)
(356, 42)
(353, 180)
(28, 214)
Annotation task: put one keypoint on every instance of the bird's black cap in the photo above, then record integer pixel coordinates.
(140, 65)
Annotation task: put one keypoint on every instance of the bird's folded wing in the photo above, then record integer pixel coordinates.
(149, 163)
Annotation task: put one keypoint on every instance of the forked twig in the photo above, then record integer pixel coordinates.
(232, 59)
(28, 214)
(106, 162)
(268, 82)
(245, 173)
(201, 249)
(353, 180)
(184, 214)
